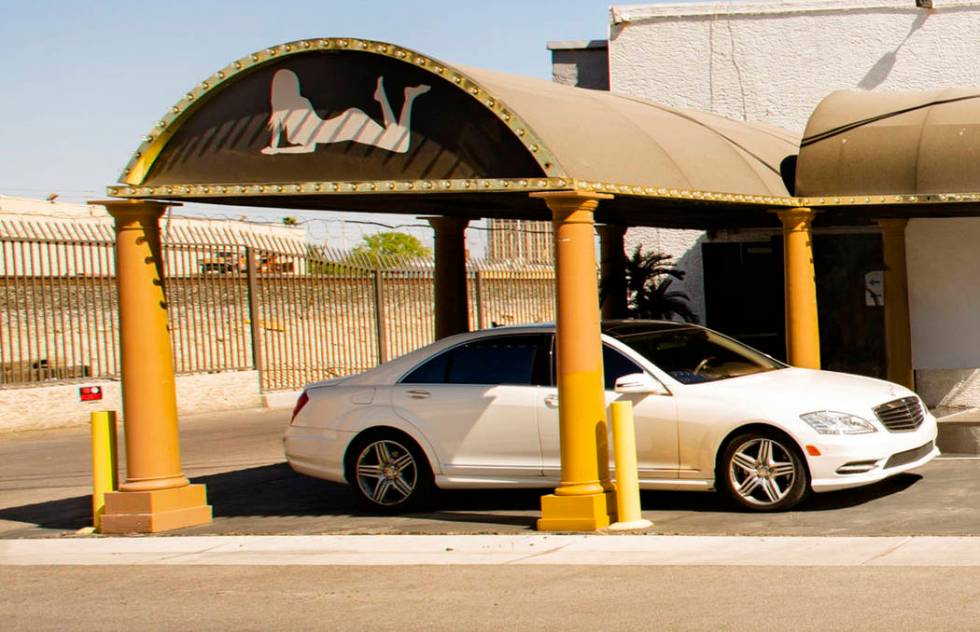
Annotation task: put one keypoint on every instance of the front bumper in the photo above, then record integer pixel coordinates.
(852, 461)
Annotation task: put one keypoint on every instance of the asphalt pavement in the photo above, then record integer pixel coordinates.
(44, 487)
(892, 563)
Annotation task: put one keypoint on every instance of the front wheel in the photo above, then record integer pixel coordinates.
(388, 473)
(763, 471)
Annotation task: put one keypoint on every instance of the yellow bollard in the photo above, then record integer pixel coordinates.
(627, 480)
(105, 462)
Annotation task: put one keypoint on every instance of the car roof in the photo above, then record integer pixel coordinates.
(618, 327)
(389, 372)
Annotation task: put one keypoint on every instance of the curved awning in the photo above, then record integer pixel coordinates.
(363, 125)
(907, 143)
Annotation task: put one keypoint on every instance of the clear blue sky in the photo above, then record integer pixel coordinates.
(84, 81)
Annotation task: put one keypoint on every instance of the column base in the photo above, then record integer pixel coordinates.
(589, 512)
(154, 511)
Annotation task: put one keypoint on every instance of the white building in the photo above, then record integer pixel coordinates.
(773, 63)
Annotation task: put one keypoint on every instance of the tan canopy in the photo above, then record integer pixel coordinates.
(475, 143)
(909, 143)
(607, 137)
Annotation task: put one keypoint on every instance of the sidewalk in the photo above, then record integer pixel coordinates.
(598, 550)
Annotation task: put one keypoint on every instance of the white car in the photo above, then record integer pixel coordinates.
(480, 410)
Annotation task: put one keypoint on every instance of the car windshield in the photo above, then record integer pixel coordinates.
(692, 355)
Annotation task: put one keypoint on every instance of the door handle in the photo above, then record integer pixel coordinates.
(419, 394)
(551, 401)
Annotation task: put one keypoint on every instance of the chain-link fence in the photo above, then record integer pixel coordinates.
(237, 301)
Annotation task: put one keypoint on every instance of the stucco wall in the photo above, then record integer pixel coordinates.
(58, 405)
(685, 247)
(773, 63)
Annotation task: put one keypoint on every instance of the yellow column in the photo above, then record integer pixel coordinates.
(898, 329)
(451, 304)
(156, 496)
(802, 330)
(585, 499)
(612, 270)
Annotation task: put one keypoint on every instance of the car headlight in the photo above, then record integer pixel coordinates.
(831, 423)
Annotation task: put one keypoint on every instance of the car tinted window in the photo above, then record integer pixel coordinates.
(504, 360)
(693, 355)
(431, 372)
(520, 359)
(615, 365)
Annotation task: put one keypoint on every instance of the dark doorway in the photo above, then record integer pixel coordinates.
(849, 302)
(743, 290)
(743, 293)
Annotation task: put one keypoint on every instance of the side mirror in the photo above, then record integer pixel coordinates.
(639, 383)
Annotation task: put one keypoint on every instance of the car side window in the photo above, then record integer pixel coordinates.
(431, 372)
(615, 365)
(519, 359)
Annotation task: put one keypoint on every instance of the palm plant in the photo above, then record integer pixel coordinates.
(648, 278)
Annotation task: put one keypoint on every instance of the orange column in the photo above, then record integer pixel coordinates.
(612, 270)
(156, 496)
(802, 329)
(451, 304)
(584, 500)
(898, 327)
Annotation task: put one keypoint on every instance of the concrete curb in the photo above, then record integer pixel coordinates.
(600, 550)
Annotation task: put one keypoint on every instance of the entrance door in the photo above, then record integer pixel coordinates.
(743, 291)
(850, 305)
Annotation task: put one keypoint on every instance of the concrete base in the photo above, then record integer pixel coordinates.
(959, 433)
(159, 510)
(632, 525)
(577, 513)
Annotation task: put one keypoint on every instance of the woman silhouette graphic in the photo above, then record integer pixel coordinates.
(294, 114)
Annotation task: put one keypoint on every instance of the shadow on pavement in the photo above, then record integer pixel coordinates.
(276, 491)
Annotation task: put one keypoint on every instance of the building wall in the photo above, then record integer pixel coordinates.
(773, 63)
(584, 64)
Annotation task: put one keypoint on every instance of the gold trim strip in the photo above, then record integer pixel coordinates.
(327, 188)
(889, 200)
(472, 185)
(153, 143)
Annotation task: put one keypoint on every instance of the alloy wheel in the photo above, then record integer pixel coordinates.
(762, 472)
(387, 473)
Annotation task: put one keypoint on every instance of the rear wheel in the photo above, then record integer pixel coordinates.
(388, 472)
(763, 471)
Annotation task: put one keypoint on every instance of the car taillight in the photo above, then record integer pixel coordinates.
(299, 406)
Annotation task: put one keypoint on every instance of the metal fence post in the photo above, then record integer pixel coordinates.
(481, 314)
(379, 315)
(253, 310)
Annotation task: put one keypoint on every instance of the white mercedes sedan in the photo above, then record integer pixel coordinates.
(480, 410)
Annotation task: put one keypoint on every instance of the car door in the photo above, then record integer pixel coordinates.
(655, 417)
(475, 403)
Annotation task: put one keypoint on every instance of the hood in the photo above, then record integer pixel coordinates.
(801, 391)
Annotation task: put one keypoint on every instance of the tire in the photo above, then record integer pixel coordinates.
(388, 472)
(763, 471)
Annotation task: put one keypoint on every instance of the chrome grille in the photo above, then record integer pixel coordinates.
(901, 415)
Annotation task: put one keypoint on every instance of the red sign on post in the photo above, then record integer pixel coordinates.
(90, 393)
